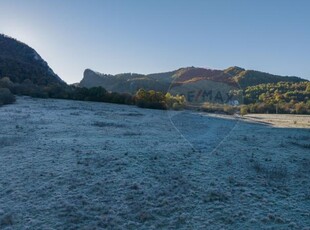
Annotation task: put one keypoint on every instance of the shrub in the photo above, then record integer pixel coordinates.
(150, 99)
(243, 110)
(6, 97)
(229, 109)
(177, 106)
(6, 82)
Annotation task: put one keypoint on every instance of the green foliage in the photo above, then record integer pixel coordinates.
(52, 90)
(281, 97)
(248, 78)
(292, 108)
(175, 102)
(150, 99)
(308, 87)
(99, 94)
(24, 72)
(157, 100)
(243, 110)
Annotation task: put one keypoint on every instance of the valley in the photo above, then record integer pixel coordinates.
(70, 164)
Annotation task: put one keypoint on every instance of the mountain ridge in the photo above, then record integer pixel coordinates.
(131, 82)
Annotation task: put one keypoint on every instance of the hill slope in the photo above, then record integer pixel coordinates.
(130, 83)
(251, 77)
(20, 62)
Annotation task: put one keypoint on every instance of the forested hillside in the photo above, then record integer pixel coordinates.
(281, 97)
(24, 72)
(132, 82)
(21, 63)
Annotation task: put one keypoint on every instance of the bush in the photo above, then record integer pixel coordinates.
(177, 106)
(150, 99)
(243, 110)
(6, 82)
(6, 97)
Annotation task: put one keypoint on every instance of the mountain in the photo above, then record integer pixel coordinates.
(131, 82)
(235, 77)
(22, 63)
(127, 82)
(247, 78)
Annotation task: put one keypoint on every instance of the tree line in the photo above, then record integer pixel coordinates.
(281, 97)
(144, 99)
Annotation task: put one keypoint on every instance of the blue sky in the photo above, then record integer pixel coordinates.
(147, 36)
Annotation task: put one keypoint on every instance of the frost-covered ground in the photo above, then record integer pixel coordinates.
(83, 165)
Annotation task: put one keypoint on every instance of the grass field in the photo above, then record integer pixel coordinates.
(69, 164)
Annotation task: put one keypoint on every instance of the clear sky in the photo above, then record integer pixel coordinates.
(146, 36)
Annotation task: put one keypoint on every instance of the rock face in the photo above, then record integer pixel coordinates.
(130, 83)
(22, 63)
